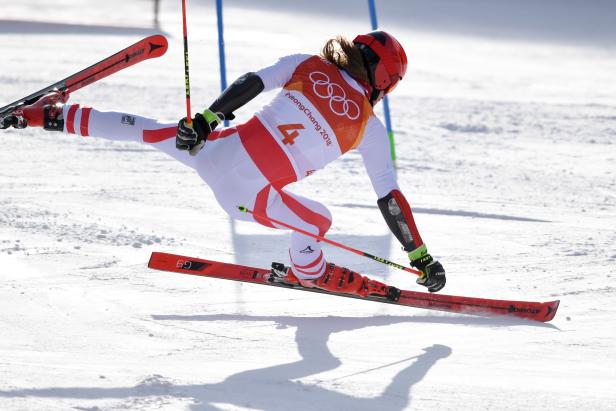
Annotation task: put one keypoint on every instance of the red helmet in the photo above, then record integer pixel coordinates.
(385, 61)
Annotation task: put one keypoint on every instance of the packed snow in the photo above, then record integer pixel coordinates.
(506, 138)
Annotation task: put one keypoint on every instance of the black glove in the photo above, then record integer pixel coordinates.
(432, 272)
(193, 137)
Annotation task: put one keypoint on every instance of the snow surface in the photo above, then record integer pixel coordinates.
(506, 132)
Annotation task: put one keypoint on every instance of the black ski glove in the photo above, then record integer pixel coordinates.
(193, 137)
(432, 272)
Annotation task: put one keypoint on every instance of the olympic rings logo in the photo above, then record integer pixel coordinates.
(338, 102)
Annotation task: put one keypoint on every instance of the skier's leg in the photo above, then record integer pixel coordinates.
(244, 170)
(305, 252)
(111, 125)
(308, 265)
(257, 193)
(248, 168)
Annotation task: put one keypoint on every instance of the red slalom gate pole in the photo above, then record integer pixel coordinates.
(186, 72)
(245, 209)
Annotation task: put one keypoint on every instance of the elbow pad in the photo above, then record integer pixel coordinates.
(237, 94)
(399, 218)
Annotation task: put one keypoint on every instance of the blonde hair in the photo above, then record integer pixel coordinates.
(344, 54)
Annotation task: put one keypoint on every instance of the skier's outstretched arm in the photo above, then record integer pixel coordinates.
(396, 210)
(239, 93)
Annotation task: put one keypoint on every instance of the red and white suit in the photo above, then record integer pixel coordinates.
(319, 114)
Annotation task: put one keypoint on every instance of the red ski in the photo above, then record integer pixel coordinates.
(149, 47)
(536, 311)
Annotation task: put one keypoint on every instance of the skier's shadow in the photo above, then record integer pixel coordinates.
(276, 387)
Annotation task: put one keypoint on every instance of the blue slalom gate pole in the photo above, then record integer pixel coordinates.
(390, 132)
(372, 8)
(221, 50)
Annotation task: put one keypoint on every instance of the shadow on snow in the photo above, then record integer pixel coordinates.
(277, 387)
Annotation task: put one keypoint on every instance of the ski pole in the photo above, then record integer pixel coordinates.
(245, 209)
(186, 73)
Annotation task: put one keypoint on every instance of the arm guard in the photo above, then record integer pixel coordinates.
(399, 218)
(237, 94)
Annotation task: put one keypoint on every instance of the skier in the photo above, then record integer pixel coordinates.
(325, 108)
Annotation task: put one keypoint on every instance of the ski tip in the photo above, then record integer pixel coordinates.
(552, 307)
(158, 45)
